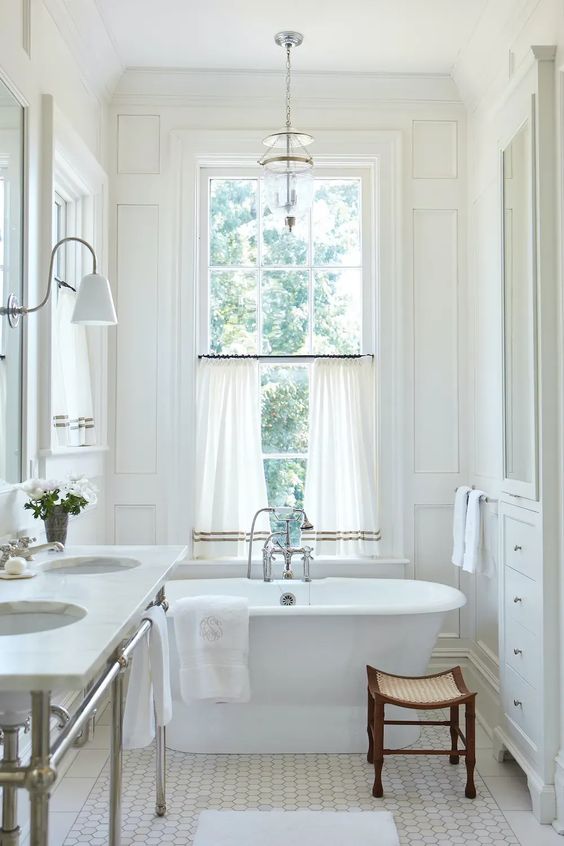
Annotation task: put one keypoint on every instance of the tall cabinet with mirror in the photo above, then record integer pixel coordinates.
(528, 509)
(11, 282)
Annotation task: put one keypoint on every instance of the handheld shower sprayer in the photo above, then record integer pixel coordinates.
(283, 513)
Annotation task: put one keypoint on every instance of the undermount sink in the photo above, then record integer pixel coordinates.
(17, 618)
(90, 565)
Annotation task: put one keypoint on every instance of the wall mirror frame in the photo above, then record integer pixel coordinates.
(519, 308)
(13, 251)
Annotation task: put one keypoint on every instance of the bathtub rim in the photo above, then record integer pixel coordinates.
(455, 600)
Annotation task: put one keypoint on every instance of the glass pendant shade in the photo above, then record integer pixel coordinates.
(288, 176)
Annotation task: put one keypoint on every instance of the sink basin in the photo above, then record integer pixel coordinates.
(90, 565)
(18, 618)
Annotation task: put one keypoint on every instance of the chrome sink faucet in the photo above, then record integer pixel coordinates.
(20, 548)
(279, 544)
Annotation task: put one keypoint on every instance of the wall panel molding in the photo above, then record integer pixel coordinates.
(137, 339)
(138, 144)
(135, 524)
(432, 554)
(435, 149)
(435, 322)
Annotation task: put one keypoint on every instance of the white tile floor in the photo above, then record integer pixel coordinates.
(426, 795)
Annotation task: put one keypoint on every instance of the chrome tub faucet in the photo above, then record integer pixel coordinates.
(279, 544)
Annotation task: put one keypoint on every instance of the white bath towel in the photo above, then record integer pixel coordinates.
(212, 638)
(473, 532)
(459, 524)
(149, 693)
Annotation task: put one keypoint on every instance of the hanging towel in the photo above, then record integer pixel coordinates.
(459, 524)
(212, 638)
(149, 692)
(473, 532)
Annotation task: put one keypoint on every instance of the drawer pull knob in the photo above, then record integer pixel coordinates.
(517, 703)
(517, 651)
(517, 548)
(517, 599)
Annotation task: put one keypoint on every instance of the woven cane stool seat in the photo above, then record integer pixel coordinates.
(420, 691)
(442, 690)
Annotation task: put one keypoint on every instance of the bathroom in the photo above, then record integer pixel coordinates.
(415, 292)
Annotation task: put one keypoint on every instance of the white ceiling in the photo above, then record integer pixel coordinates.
(391, 36)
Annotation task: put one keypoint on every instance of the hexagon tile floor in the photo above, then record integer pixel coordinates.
(425, 795)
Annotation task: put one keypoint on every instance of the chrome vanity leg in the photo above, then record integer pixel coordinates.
(40, 775)
(116, 755)
(10, 831)
(160, 807)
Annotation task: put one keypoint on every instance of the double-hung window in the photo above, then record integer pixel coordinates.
(285, 298)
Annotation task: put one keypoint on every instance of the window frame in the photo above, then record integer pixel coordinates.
(368, 247)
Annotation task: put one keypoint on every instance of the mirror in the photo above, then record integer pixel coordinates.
(519, 315)
(11, 278)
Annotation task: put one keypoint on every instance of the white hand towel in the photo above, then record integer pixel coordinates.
(149, 692)
(473, 532)
(212, 638)
(459, 524)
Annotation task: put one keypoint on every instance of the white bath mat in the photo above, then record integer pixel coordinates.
(296, 828)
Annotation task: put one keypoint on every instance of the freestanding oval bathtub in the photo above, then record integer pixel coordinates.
(308, 661)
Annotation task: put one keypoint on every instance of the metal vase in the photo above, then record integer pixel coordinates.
(56, 525)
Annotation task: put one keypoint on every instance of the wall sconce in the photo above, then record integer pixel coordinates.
(94, 304)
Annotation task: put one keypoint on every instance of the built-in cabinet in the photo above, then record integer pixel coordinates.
(528, 508)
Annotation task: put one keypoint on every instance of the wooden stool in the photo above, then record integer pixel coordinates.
(443, 690)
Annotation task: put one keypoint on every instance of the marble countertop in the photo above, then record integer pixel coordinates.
(70, 657)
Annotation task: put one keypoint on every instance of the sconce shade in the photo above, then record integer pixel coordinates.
(94, 304)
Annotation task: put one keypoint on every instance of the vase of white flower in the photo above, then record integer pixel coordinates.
(54, 501)
(56, 525)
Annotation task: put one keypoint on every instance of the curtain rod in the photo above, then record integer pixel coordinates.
(290, 357)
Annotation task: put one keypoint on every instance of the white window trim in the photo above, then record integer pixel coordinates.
(379, 150)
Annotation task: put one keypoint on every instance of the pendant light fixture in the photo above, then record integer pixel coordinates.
(288, 167)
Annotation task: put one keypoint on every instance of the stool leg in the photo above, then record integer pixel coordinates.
(369, 724)
(378, 749)
(454, 723)
(470, 748)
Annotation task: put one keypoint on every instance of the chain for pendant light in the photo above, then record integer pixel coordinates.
(288, 81)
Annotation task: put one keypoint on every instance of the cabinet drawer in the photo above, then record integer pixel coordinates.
(522, 652)
(522, 600)
(520, 703)
(521, 544)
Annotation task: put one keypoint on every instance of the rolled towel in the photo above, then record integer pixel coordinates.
(473, 532)
(149, 692)
(459, 524)
(212, 639)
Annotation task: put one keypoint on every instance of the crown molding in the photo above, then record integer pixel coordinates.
(236, 88)
(84, 31)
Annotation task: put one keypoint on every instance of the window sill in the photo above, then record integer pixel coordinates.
(73, 450)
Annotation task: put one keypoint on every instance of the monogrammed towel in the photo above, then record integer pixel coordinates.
(212, 638)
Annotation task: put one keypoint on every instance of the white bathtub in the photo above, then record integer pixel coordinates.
(308, 662)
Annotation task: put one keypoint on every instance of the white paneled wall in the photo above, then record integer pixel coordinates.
(151, 484)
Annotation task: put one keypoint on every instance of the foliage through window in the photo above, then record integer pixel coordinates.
(272, 293)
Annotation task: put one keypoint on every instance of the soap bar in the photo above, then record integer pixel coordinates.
(15, 566)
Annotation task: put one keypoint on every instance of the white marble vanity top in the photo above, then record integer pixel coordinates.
(69, 657)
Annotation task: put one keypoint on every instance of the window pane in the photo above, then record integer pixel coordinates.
(285, 479)
(233, 312)
(337, 307)
(280, 247)
(233, 222)
(284, 312)
(284, 408)
(336, 222)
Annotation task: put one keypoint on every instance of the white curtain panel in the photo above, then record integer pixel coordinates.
(73, 418)
(341, 480)
(230, 484)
